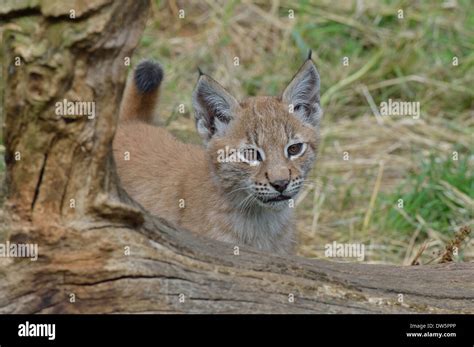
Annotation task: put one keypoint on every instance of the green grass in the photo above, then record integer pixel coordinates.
(441, 192)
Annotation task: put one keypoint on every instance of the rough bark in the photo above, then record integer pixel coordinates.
(84, 249)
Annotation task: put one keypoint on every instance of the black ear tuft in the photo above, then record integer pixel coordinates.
(309, 54)
(200, 72)
(148, 76)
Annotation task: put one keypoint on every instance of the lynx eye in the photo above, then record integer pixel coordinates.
(295, 149)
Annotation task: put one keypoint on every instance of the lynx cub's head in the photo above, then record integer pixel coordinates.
(260, 149)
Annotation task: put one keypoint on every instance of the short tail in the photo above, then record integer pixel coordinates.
(142, 92)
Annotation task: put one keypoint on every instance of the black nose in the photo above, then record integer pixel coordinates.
(280, 185)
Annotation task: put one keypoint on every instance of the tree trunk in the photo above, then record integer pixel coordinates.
(101, 252)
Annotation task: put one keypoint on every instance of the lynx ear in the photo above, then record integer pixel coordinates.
(303, 94)
(214, 107)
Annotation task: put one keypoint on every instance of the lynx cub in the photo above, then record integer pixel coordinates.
(239, 187)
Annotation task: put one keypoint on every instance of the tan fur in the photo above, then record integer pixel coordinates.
(138, 106)
(164, 173)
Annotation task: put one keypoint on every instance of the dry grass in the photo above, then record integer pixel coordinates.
(350, 185)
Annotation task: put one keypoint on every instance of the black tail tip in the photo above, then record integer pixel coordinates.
(148, 76)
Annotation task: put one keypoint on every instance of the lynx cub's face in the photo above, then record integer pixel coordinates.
(261, 149)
